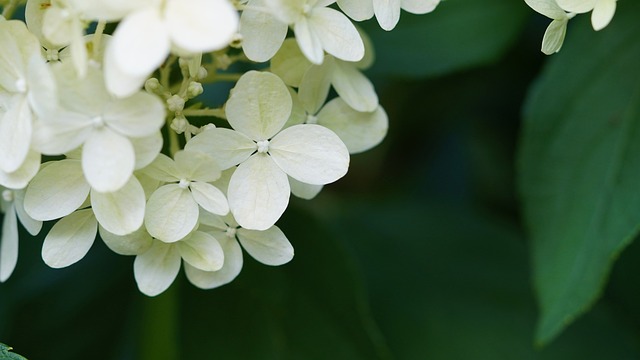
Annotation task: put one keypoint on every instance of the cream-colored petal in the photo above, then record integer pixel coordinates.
(108, 160)
(171, 213)
(70, 239)
(136, 243)
(270, 247)
(8, 244)
(156, 269)
(209, 198)
(228, 272)
(120, 212)
(227, 147)
(202, 251)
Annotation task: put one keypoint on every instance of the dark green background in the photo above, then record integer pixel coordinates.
(419, 252)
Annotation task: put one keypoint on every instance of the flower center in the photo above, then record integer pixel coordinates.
(21, 85)
(97, 121)
(231, 232)
(184, 183)
(263, 146)
(311, 119)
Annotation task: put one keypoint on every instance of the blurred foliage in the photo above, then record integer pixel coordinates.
(421, 252)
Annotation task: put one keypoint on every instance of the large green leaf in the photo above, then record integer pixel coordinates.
(459, 34)
(580, 165)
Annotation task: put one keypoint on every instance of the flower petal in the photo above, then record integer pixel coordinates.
(554, 36)
(314, 86)
(259, 105)
(156, 269)
(138, 115)
(136, 243)
(577, 6)
(108, 160)
(387, 13)
(201, 25)
(358, 10)
(360, 131)
(56, 191)
(262, 34)
(258, 193)
(32, 226)
(196, 165)
(226, 146)
(15, 134)
(353, 87)
(163, 169)
(308, 40)
(120, 212)
(230, 269)
(337, 34)
(70, 239)
(270, 247)
(548, 8)
(310, 153)
(8, 244)
(302, 190)
(419, 6)
(289, 63)
(20, 178)
(210, 198)
(171, 213)
(602, 14)
(147, 149)
(202, 251)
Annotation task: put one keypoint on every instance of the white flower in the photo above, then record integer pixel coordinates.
(156, 268)
(60, 188)
(144, 38)
(105, 127)
(556, 31)
(270, 247)
(26, 87)
(387, 11)
(11, 204)
(602, 10)
(172, 209)
(317, 28)
(257, 109)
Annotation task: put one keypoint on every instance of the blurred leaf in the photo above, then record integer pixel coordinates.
(580, 165)
(459, 34)
(450, 282)
(311, 308)
(6, 354)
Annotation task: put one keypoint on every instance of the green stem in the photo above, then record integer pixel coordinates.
(219, 113)
(8, 10)
(159, 332)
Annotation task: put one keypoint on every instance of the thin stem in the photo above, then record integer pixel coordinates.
(174, 141)
(165, 71)
(219, 113)
(159, 332)
(97, 38)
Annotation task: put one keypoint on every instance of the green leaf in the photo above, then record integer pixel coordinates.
(459, 34)
(579, 165)
(6, 354)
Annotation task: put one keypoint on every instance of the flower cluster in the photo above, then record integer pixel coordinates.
(104, 131)
(561, 11)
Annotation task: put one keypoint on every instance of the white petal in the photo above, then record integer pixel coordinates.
(135, 243)
(156, 269)
(70, 239)
(148, 183)
(18, 45)
(419, 6)
(210, 198)
(353, 87)
(15, 134)
(34, 14)
(8, 244)
(602, 14)
(42, 87)
(138, 115)
(554, 36)
(270, 247)
(298, 114)
(171, 213)
(120, 212)
(548, 8)
(258, 193)
(302, 190)
(202, 251)
(259, 105)
(140, 43)
(201, 25)
(287, 11)
(163, 169)
(147, 148)
(358, 10)
(21, 177)
(120, 83)
(262, 34)
(289, 63)
(577, 6)
(387, 13)
(226, 146)
(108, 160)
(337, 34)
(56, 191)
(309, 41)
(314, 87)
(196, 165)
(230, 269)
(31, 225)
(61, 132)
(360, 131)
(310, 153)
